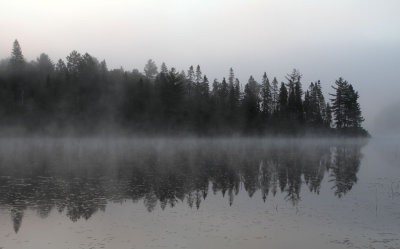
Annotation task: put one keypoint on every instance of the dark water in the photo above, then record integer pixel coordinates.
(199, 193)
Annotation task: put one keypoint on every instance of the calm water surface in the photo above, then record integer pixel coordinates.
(199, 193)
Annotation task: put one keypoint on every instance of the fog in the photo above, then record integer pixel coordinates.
(129, 192)
(358, 40)
(108, 149)
(387, 123)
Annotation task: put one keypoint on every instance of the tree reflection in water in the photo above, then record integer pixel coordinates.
(166, 175)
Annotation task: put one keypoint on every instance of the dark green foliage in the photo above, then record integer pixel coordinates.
(150, 69)
(83, 94)
(314, 105)
(17, 60)
(266, 98)
(283, 100)
(251, 106)
(295, 105)
(345, 106)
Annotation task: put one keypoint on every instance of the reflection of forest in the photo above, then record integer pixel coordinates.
(185, 174)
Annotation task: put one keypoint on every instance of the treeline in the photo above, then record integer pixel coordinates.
(83, 94)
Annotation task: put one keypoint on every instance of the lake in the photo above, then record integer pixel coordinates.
(113, 192)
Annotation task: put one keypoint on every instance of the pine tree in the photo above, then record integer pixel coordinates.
(353, 108)
(199, 75)
(17, 60)
(150, 69)
(74, 61)
(237, 91)
(316, 108)
(298, 101)
(266, 97)
(345, 106)
(44, 63)
(103, 68)
(307, 106)
(321, 100)
(205, 86)
(164, 68)
(293, 103)
(283, 99)
(216, 88)
(61, 67)
(231, 77)
(328, 117)
(251, 104)
(275, 94)
(190, 79)
(224, 91)
(190, 74)
(338, 102)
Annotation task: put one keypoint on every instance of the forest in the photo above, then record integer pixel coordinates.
(82, 95)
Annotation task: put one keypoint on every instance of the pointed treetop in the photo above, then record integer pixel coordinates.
(231, 76)
(164, 68)
(150, 69)
(17, 59)
(199, 74)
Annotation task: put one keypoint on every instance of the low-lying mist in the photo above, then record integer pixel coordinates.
(109, 152)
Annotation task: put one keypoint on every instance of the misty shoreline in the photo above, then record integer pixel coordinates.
(6, 134)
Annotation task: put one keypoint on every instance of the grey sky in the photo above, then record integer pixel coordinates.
(324, 39)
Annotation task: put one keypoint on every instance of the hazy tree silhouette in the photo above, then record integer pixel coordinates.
(82, 94)
(163, 179)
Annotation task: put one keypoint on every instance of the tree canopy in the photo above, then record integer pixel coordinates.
(82, 93)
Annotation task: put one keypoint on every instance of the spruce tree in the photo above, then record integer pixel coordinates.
(338, 102)
(266, 97)
(17, 60)
(283, 100)
(328, 116)
(353, 108)
(198, 75)
(298, 101)
(275, 94)
(231, 77)
(251, 104)
(345, 106)
(74, 61)
(150, 69)
(164, 68)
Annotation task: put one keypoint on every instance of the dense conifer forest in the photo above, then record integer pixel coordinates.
(81, 94)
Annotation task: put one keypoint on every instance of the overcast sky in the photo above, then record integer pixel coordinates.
(356, 39)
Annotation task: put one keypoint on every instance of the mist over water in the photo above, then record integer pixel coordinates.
(132, 124)
(105, 192)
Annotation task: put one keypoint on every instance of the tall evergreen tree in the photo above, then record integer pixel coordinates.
(199, 75)
(74, 61)
(251, 105)
(321, 100)
(150, 69)
(338, 102)
(298, 101)
(295, 108)
(345, 106)
(353, 112)
(205, 86)
(283, 100)
(191, 75)
(275, 94)
(328, 117)
(164, 68)
(17, 60)
(266, 97)
(231, 77)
